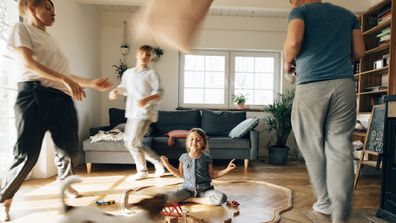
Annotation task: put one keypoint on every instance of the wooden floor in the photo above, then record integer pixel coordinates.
(293, 176)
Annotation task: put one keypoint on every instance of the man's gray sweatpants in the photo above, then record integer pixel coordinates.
(323, 118)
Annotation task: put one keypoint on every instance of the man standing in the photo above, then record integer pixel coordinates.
(323, 39)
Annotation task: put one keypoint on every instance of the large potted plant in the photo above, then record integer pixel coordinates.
(278, 123)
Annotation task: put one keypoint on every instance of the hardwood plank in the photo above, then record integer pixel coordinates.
(41, 195)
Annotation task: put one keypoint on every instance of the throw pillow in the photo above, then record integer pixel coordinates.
(116, 116)
(182, 119)
(176, 134)
(220, 123)
(244, 128)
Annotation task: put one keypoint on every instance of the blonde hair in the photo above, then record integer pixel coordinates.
(25, 4)
(201, 133)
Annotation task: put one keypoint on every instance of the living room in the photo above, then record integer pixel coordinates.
(90, 34)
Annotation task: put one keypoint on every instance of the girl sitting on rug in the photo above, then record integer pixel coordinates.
(196, 169)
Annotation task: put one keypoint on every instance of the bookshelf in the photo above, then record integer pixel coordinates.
(375, 72)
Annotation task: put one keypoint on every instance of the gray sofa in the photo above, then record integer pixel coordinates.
(217, 126)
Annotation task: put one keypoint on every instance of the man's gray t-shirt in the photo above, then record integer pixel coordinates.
(327, 44)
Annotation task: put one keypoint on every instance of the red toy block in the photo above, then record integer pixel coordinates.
(172, 209)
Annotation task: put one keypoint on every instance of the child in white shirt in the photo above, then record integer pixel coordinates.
(141, 85)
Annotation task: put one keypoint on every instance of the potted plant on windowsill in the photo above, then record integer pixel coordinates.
(279, 124)
(239, 100)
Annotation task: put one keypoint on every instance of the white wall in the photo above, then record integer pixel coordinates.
(77, 30)
(216, 33)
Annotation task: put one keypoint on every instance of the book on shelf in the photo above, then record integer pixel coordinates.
(384, 12)
(383, 43)
(384, 17)
(384, 32)
(383, 20)
(384, 35)
(385, 38)
(376, 88)
(384, 80)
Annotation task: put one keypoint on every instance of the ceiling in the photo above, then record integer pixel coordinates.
(244, 12)
(244, 8)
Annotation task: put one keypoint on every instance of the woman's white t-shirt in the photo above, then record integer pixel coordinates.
(45, 51)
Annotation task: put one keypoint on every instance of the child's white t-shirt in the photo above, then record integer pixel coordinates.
(45, 51)
(136, 84)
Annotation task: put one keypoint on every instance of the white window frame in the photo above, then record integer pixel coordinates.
(226, 79)
(276, 78)
(229, 76)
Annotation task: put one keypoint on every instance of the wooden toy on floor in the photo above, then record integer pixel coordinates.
(171, 219)
(232, 204)
(172, 209)
(104, 202)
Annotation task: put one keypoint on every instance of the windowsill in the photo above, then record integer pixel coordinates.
(223, 109)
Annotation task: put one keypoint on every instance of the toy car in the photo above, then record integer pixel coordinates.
(104, 202)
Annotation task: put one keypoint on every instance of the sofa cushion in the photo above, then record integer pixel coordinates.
(216, 143)
(177, 120)
(219, 123)
(160, 144)
(243, 128)
(116, 116)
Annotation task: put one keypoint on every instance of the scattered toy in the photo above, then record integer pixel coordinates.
(104, 202)
(172, 209)
(232, 204)
(172, 220)
(229, 220)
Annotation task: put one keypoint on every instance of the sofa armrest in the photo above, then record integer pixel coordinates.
(94, 130)
(254, 145)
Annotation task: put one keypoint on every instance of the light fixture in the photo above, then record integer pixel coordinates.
(124, 45)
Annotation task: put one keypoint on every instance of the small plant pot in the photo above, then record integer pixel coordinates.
(278, 155)
(240, 106)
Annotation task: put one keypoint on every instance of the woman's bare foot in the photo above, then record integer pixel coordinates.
(5, 216)
(72, 193)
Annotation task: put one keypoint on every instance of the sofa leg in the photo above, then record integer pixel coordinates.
(89, 167)
(246, 163)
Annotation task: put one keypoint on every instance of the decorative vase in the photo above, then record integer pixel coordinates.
(278, 154)
(240, 106)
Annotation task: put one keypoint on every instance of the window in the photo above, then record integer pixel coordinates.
(209, 79)
(8, 89)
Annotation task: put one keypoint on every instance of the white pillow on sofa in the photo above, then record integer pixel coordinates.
(244, 128)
